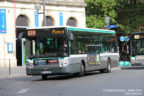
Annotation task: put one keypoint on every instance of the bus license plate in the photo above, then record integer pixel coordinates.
(46, 72)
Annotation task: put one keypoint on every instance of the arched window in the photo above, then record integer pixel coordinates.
(22, 20)
(72, 22)
(49, 21)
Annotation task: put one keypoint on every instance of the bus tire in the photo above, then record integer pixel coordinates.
(102, 71)
(44, 77)
(82, 71)
(108, 70)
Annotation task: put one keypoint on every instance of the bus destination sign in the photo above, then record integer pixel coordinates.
(31, 33)
(57, 32)
(46, 32)
(138, 36)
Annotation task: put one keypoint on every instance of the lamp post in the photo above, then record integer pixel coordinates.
(44, 17)
(38, 7)
(15, 16)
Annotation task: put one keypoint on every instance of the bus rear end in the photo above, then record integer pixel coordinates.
(137, 49)
(136, 52)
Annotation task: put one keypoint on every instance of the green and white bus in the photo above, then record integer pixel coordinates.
(69, 50)
(137, 49)
(135, 58)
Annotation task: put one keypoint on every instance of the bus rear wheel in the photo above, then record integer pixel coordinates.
(108, 69)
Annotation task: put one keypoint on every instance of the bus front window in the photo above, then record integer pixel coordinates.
(138, 47)
(49, 47)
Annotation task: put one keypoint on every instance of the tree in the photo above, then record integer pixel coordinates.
(129, 16)
(97, 10)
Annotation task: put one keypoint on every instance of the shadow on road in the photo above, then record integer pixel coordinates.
(52, 78)
(66, 77)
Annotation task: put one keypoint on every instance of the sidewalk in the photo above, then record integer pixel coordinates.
(16, 71)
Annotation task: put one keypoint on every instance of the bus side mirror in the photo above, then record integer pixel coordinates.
(20, 36)
(71, 37)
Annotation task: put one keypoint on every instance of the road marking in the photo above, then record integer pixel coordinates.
(116, 68)
(22, 91)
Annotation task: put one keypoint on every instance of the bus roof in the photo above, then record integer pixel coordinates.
(138, 33)
(78, 29)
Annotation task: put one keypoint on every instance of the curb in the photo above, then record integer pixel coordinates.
(132, 67)
(11, 76)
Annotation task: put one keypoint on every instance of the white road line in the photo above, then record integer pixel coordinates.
(116, 68)
(22, 91)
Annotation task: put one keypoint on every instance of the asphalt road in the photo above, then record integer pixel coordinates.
(117, 83)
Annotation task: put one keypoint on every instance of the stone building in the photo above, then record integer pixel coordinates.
(17, 15)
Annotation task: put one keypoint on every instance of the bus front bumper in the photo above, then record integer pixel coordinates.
(48, 71)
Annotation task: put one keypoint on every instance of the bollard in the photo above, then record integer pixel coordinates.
(9, 68)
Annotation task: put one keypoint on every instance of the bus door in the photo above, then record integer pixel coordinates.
(93, 61)
(23, 52)
(20, 46)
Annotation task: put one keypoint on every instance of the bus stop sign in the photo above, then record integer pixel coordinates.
(122, 38)
(107, 19)
(112, 26)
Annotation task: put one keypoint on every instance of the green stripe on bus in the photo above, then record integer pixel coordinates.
(92, 30)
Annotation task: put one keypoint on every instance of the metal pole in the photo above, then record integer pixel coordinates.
(44, 17)
(15, 17)
(9, 68)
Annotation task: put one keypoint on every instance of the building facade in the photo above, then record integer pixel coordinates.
(17, 15)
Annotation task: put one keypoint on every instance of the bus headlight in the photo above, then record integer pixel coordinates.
(29, 64)
(64, 63)
(133, 58)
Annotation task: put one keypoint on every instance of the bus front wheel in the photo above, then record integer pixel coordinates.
(44, 77)
(82, 71)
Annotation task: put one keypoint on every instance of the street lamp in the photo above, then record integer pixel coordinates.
(38, 7)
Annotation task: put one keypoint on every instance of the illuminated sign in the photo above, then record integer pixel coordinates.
(31, 33)
(110, 40)
(46, 32)
(141, 36)
(10, 47)
(136, 36)
(57, 32)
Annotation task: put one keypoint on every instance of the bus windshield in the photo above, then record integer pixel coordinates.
(42, 47)
(138, 47)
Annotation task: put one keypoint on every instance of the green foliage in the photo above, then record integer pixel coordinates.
(97, 10)
(95, 21)
(131, 19)
(133, 23)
